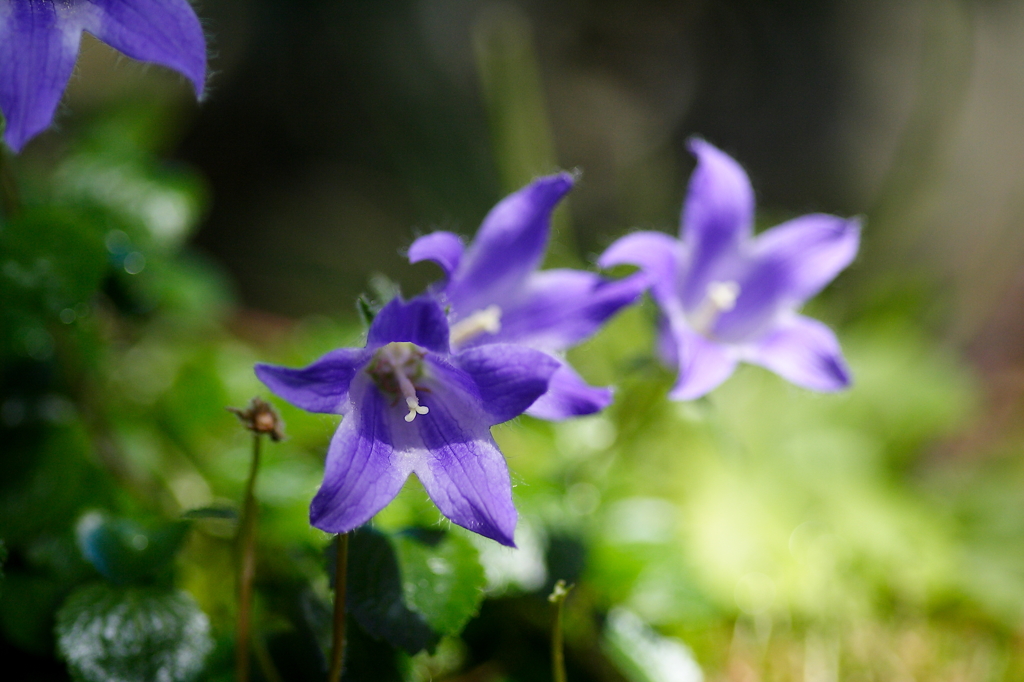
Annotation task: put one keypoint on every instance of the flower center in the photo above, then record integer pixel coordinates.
(720, 298)
(487, 320)
(394, 368)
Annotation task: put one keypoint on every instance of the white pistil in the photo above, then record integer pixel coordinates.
(720, 298)
(487, 320)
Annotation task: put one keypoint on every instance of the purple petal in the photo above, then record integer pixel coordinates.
(813, 249)
(569, 396)
(165, 32)
(789, 263)
(508, 377)
(658, 255)
(420, 321)
(509, 244)
(805, 352)
(703, 364)
(362, 472)
(320, 387)
(557, 309)
(464, 472)
(665, 343)
(38, 46)
(444, 248)
(717, 217)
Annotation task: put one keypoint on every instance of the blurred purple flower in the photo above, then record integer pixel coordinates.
(39, 44)
(411, 405)
(726, 295)
(495, 294)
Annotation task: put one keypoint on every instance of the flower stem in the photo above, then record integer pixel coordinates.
(246, 566)
(557, 597)
(340, 583)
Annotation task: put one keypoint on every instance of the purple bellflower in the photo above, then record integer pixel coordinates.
(726, 295)
(412, 406)
(39, 44)
(494, 293)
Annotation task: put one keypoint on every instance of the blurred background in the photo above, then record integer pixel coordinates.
(761, 534)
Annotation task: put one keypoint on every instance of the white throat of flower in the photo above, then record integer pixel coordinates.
(487, 320)
(394, 368)
(720, 298)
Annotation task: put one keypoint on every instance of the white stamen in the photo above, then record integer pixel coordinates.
(399, 361)
(415, 408)
(723, 295)
(405, 386)
(720, 298)
(487, 320)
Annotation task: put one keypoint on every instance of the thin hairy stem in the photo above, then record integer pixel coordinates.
(338, 633)
(246, 566)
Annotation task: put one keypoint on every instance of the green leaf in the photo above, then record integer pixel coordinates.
(132, 634)
(442, 578)
(413, 587)
(375, 593)
(126, 551)
(366, 310)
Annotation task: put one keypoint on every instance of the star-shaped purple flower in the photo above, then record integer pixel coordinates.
(39, 44)
(726, 295)
(412, 406)
(495, 294)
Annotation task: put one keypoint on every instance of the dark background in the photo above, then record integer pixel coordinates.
(334, 132)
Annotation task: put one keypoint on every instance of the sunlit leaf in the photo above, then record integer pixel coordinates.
(442, 578)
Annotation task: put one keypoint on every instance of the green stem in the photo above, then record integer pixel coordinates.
(340, 584)
(246, 566)
(557, 597)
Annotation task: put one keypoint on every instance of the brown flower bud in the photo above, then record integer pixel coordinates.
(261, 417)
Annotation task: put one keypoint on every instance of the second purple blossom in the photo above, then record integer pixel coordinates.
(728, 296)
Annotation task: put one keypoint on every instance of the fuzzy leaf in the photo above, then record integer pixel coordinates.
(132, 634)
